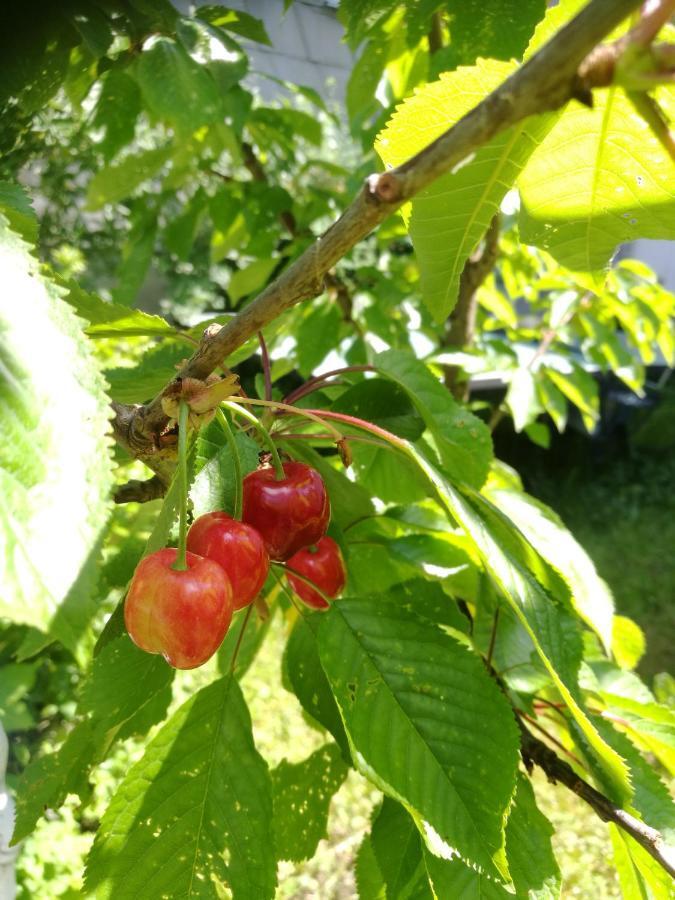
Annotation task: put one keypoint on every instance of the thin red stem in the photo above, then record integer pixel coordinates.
(548, 736)
(312, 383)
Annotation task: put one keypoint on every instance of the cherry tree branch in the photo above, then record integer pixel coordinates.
(535, 752)
(547, 81)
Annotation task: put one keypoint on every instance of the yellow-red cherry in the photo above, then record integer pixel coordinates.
(235, 546)
(182, 614)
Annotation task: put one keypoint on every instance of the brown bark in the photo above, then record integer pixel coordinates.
(535, 752)
(461, 323)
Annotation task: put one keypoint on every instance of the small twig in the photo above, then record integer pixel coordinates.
(267, 370)
(435, 36)
(549, 736)
(140, 491)
(493, 637)
(256, 169)
(651, 112)
(536, 752)
(461, 323)
(654, 15)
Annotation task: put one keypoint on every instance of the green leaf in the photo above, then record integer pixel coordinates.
(650, 725)
(463, 442)
(426, 724)
(157, 366)
(652, 799)
(581, 389)
(599, 178)
(16, 206)
(196, 809)
(179, 234)
(51, 485)
(169, 512)
(236, 21)
(118, 181)
(397, 847)
(250, 279)
(304, 676)
(252, 641)
(641, 877)
(535, 872)
(365, 77)
(532, 864)
(176, 88)
(48, 779)
(317, 334)
(521, 398)
(543, 528)
(16, 680)
(628, 642)
(117, 110)
(540, 616)
(383, 403)
(214, 486)
(113, 320)
(553, 402)
(137, 252)
(500, 30)
(429, 600)
(126, 692)
(349, 501)
(369, 880)
(127, 689)
(449, 218)
(302, 794)
(389, 476)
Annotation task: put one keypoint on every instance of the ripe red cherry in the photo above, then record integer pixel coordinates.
(184, 615)
(291, 513)
(324, 566)
(235, 546)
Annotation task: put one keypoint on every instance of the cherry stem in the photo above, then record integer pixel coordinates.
(254, 420)
(236, 462)
(307, 581)
(315, 415)
(240, 638)
(289, 593)
(315, 383)
(180, 563)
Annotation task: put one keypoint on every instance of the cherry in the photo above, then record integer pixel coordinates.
(182, 614)
(324, 566)
(235, 546)
(290, 513)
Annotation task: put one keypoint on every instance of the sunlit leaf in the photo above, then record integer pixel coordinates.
(449, 217)
(398, 681)
(302, 793)
(197, 808)
(51, 484)
(600, 178)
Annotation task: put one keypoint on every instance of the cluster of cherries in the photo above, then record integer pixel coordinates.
(184, 614)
